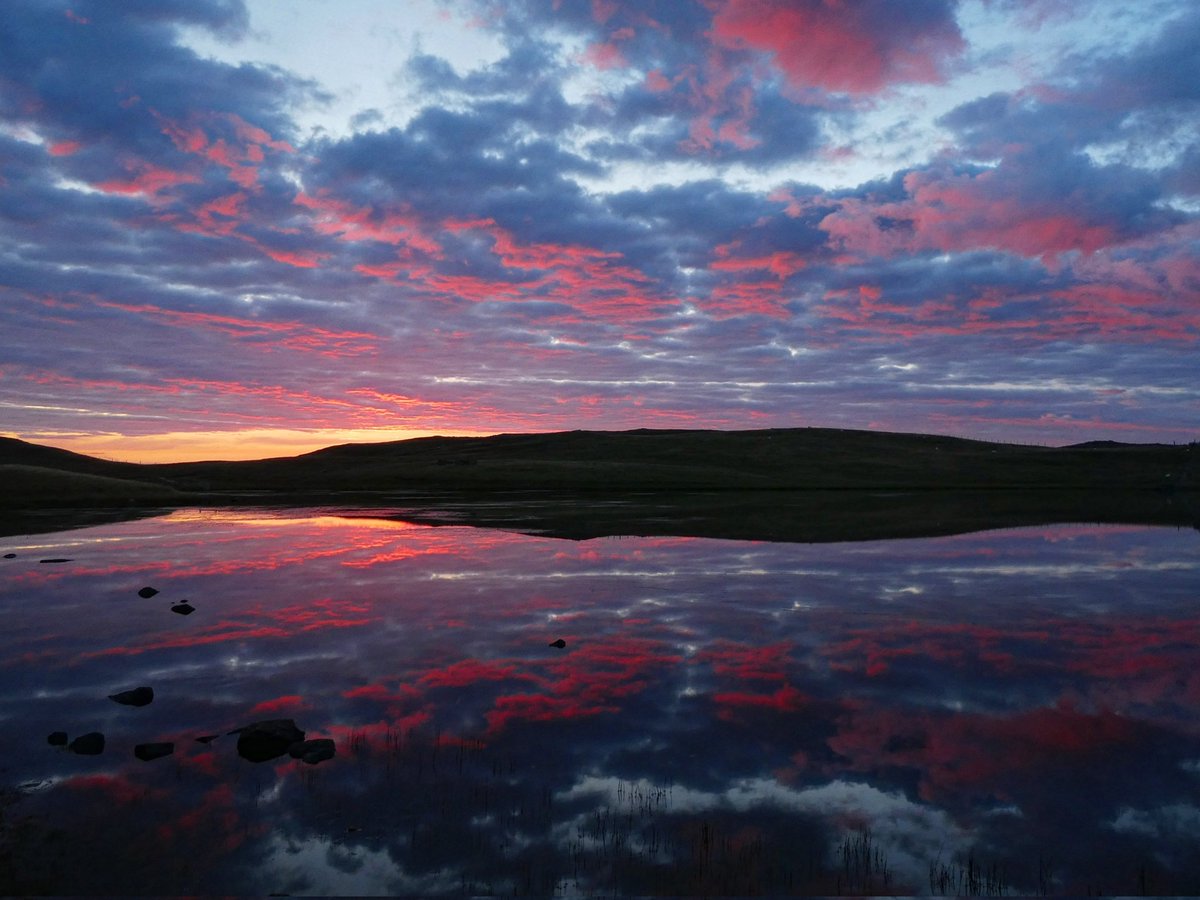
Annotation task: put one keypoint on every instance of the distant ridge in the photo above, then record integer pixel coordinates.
(24, 453)
(654, 460)
(804, 484)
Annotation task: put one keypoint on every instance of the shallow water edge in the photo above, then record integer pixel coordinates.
(805, 516)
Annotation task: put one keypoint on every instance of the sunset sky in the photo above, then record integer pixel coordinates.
(235, 229)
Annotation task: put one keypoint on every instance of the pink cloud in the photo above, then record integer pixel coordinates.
(343, 220)
(950, 212)
(603, 10)
(604, 55)
(657, 82)
(723, 108)
(300, 259)
(857, 48)
(595, 282)
(146, 179)
(781, 263)
(65, 148)
(266, 334)
(240, 152)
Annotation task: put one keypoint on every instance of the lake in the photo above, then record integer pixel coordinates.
(1012, 711)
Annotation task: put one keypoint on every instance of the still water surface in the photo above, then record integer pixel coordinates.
(1012, 711)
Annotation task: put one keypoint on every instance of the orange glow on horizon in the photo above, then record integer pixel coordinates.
(198, 446)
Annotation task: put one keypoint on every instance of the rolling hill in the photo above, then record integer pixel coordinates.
(648, 460)
(779, 484)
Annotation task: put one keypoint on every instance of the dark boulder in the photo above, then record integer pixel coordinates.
(57, 739)
(90, 744)
(184, 609)
(207, 738)
(147, 592)
(56, 559)
(10, 556)
(138, 696)
(147, 752)
(314, 751)
(267, 740)
(560, 643)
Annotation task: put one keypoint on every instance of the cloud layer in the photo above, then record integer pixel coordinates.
(974, 217)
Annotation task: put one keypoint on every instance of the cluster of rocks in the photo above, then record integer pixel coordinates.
(257, 742)
(183, 608)
(90, 744)
(273, 738)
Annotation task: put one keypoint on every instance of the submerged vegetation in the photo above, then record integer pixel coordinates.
(471, 821)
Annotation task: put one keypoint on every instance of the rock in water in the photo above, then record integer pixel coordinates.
(90, 744)
(560, 643)
(139, 696)
(147, 592)
(314, 751)
(10, 556)
(57, 739)
(147, 752)
(184, 609)
(56, 559)
(267, 740)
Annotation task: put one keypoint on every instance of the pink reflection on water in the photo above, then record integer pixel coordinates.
(1012, 667)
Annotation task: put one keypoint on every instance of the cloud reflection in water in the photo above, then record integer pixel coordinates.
(725, 717)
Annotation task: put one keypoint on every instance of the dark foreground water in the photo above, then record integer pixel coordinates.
(1007, 712)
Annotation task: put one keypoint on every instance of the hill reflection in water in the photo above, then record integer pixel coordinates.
(1009, 710)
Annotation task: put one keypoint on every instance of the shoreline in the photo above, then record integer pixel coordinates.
(796, 516)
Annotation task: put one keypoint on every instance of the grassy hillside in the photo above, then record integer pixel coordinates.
(36, 487)
(643, 460)
(22, 453)
(784, 484)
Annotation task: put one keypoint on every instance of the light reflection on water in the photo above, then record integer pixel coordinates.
(726, 717)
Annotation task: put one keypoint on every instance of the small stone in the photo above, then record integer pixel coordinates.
(55, 559)
(147, 752)
(266, 740)
(560, 643)
(139, 696)
(207, 738)
(184, 609)
(147, 592)
(90, 744)
(10, 556)
(57, 739)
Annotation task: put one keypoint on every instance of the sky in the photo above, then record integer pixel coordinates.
(242, 229)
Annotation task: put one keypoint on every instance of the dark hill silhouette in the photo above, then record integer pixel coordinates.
(651, 460)
(844, 473)
(22, 453)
